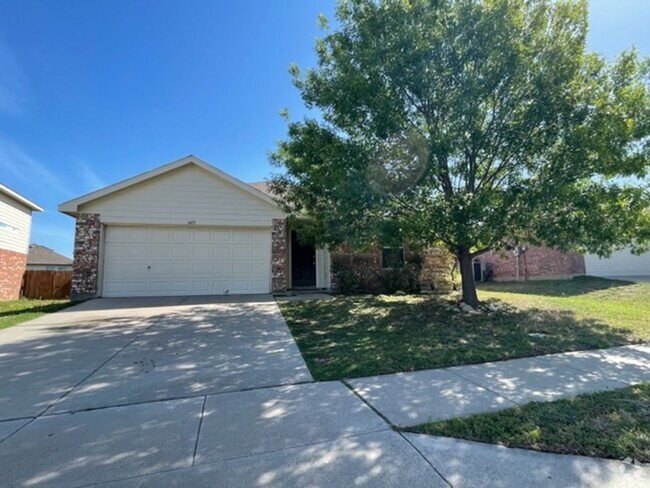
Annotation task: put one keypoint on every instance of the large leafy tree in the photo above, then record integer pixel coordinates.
(471, 124)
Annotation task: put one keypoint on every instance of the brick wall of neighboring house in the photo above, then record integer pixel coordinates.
(538, 262)
(12, 267)
(85, 267)
(279, 256)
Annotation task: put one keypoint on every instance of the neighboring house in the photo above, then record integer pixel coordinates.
(44, 258)
(15, 226)
(535, 263)
(188, 228)
(621, 264)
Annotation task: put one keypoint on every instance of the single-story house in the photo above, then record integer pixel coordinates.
(188, 228)
(621, 264)
(41, 258)
(15, 227)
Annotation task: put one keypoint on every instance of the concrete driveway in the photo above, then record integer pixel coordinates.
(213, 392)
(111, 352)
(131, 390)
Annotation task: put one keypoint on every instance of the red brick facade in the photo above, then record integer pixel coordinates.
(435, 265)
(85, 268)
(12, 268)
(279, 258)
(538, 262)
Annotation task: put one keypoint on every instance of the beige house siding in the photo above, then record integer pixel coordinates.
(189, 195)
(15, 225)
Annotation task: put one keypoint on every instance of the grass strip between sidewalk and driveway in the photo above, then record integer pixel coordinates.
(610, 424)
(14, 312)
(359, 336)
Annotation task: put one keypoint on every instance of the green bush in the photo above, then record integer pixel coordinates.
(400, 279)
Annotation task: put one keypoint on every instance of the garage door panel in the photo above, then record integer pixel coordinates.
(138, 251)
(222, 269)
(139, 235)
(241, 252)
(202, 236)
(161, 252)
(159, 271)
(162, 287)
(241, 268)
(258, 253)
(152, 261)
(202, 252)
(181, 251)
(181, 235)
(222, 252)
(181, 269)
(160, 235)
(259, 269)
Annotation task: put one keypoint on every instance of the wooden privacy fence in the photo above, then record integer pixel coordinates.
(47, 284)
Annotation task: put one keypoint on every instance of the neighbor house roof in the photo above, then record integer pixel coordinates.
(19, 198)
(45, 256)
(71, 207)
(262, 186)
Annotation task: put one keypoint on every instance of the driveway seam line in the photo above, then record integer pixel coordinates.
(391, 425)
(169, 399)
(218, 461)
(426, 460)
(198, 432)
(137, 336)
(28, 417)
(500, 395)
(136, 476)
(309, 444)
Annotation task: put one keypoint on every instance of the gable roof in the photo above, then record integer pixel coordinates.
(44, 255)
(71, 207)
(262, 186)
(14, 195)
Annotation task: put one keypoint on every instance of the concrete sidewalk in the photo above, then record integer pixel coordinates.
(413, 398)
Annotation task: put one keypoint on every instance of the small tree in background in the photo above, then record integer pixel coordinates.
(472, 125)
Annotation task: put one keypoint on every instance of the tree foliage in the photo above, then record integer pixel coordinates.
(472, 124)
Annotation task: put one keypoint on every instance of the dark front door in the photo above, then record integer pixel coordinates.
(303, 263)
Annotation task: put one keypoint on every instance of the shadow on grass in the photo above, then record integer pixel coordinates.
(354, 337)
(35, 308)
(580, 285)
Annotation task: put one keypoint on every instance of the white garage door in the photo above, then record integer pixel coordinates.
(619, 264)
(164, 261)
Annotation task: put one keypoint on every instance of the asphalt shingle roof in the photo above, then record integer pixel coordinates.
(44, 255)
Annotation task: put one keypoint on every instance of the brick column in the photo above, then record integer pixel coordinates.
(279, 255)
(12, 268)
(85, 268)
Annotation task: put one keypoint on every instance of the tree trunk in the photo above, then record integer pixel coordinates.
(467, 277)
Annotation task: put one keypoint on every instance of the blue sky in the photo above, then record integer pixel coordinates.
(94, 92)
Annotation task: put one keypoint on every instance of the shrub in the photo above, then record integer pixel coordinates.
(400, 279)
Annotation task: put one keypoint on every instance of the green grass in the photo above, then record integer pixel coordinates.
(358, 336)
(13, 312)
(612, 424)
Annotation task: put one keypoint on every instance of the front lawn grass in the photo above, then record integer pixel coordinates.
(611, 424)
(362, 336)
(13, 312)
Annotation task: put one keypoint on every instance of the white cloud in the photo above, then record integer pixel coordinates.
(13, 83)
(26, 169)
(91, 180)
